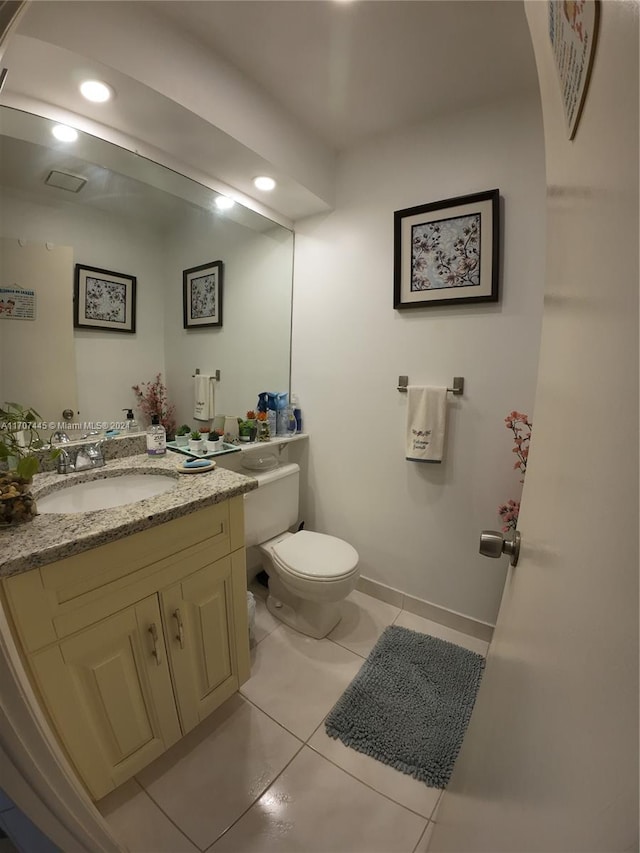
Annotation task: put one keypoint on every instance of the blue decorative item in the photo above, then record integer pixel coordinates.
(197, 463)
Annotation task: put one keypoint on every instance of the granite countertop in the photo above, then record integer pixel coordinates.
(52, 536)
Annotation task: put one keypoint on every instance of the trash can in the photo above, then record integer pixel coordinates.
(251, 614)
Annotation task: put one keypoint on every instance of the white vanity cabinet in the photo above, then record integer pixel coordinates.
(131, 644)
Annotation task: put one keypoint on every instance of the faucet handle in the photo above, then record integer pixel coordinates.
(93, 452)
(63, 462)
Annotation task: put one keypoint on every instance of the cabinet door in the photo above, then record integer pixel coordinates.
(199, 625)
(108, 689)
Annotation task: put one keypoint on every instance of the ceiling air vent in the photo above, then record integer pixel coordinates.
(65, 181)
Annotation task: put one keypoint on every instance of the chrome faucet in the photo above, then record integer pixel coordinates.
(81, 458)
(58, 437)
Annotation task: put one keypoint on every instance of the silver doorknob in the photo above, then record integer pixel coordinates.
(494, 544)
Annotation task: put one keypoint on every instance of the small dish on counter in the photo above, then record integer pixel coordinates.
(203, 454)
(196, 466)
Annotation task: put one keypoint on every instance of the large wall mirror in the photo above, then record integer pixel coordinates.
(93, 204)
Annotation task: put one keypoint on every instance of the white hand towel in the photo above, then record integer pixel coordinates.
(426, 423)
(203, 409)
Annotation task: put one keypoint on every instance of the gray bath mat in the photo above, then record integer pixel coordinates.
(410, 704)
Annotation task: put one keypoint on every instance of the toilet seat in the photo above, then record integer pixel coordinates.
(315, 557)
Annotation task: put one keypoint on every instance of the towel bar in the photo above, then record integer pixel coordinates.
(215, 375)
(457, 390)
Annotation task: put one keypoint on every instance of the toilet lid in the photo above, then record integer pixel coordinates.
(315, 555)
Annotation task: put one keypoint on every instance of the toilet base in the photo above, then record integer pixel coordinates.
(314, 619)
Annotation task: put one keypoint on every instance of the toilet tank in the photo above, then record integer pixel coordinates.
(272, 508)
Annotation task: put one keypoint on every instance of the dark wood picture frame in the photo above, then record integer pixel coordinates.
(104, 300)
(202, 295)
(447, 252)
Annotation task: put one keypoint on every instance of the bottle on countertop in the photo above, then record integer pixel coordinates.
(156, 438)
(291, 421)
(132, 423)
(280, 402)
(297, 412)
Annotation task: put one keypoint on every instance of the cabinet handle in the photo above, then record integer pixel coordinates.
(154, 635)
(180, 634)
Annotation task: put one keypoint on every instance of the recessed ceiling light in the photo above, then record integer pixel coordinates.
(264, 183)
(64, 133)
(223, 202)
(94, 90)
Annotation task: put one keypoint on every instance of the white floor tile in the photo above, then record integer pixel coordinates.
(317, 808)
(297, 680)
(138, 822)
(210, 777)
(434, 816)
(363, 620)
(425, 626)
(400, 787)
(425, 841)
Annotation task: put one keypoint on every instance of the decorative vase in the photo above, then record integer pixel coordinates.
(231, 427)
(16, 501)
(195, 445)
(213, 446)
(264, 433)
(182, 440)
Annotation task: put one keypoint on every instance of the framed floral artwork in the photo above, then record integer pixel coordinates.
(202, 295)
(104, 299)
(447, 252)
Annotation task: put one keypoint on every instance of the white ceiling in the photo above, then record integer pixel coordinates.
(117, 181)
(350, 71)
(343, 72)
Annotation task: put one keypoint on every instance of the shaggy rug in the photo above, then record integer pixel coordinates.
(410, 704)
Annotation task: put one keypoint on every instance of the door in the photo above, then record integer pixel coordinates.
(550, 760)
(46, 383)
(200, 632)
(109, 691)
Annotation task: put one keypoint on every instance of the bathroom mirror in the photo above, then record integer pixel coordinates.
(93, 204)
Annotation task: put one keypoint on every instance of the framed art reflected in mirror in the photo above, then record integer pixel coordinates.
(202, 295)
(104, 300)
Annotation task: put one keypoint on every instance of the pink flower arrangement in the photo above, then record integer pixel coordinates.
(153, 400)
(521, 426)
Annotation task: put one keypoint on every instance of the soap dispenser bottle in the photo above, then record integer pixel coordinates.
(156, 438)
(132, 423)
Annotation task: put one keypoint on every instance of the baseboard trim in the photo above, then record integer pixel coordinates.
(420, 607)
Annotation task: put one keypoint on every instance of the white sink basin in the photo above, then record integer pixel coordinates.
(106, 494)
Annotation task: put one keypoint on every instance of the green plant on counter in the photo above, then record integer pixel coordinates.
(195, 436)
(19, 438)
(185, 429)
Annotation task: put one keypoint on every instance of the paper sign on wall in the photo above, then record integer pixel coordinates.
(17, 304)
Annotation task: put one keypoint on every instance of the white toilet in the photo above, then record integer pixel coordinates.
(309, 573)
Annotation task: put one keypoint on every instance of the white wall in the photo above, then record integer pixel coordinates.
(416, 527)
(107, 363)
(252, 348)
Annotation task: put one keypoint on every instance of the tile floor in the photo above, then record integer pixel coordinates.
(260, 774)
